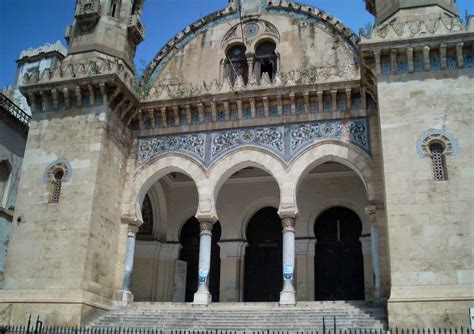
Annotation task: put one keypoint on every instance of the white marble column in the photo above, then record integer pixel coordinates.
(202, 295)
(133, 225)
(288, 294)
(371, 211)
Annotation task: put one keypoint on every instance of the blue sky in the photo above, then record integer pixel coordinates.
(31, 23)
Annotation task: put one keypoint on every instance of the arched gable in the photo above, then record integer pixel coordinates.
(192, 44)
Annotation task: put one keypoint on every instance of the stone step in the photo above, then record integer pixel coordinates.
(307, 316)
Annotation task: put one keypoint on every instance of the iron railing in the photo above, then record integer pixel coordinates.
(10, 107)
(120, 330)
(38, 328)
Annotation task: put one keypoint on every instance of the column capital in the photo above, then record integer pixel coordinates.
(206, 227)
(133, 223)
(288, 224)
(371, 212)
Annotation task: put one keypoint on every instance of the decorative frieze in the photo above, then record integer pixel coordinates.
(416, 28)
(286, 141)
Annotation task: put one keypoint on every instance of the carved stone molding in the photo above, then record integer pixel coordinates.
(59, 165)
(288, 224)
(286, 141)
(441, 136)
(206, 227)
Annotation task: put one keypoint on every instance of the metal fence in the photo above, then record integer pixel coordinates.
(10, 107)
(120, 330)
(38, 328)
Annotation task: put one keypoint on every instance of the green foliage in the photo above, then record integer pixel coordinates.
(94, 68)
(139, 87)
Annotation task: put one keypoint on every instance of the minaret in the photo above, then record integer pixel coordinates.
(417, 62)
(386, 9)
(110, 27)
(74, 170)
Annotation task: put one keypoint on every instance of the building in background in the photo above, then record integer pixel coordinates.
(267, 154)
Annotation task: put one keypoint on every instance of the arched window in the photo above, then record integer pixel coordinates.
(4, 176)
(57, 184)
(236, 64)
(438, 162)
(114, 10)
(146, 229)
(265, 60)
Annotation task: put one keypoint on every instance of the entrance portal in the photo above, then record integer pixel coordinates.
(263, 257)
(190, 254)
(339, 268)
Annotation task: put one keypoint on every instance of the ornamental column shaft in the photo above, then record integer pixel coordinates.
(202, 295)
(288, 295)
(133, 225)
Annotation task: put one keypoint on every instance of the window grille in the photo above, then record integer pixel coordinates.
(402, 67)
(438, 162)
(313, 108)
(386, 68)
(435, 64)
(418, 65)
(58, 181)
(273, 111)
(341, 105)
(452, 63)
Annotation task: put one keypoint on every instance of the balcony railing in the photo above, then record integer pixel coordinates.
(88, 14)
(11, 108)
(135, 28)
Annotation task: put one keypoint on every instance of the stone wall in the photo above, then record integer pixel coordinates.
(429, 222)
(63, 256)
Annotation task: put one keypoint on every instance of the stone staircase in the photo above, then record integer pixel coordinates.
(240, 317)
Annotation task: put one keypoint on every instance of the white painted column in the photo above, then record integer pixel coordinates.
(371, 211)
(133, 225)
(288, 294)
(202, 295)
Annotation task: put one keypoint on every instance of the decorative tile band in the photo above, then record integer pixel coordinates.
(286, 141)
(430, 136)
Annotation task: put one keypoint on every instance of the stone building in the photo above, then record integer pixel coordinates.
(13, 132)
(267, 154)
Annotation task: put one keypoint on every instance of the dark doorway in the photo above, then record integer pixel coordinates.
(263, 257)
(339, 268)
(190, 253)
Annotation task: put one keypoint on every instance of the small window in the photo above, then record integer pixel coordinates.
(266, 60)
(438, 161)
(236, 64)
(57, 184)
(115, 8)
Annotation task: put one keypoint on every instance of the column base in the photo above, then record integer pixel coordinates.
(127, 297)
(202, 298)
(287, 297)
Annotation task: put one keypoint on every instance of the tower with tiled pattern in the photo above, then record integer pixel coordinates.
(419, 56)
